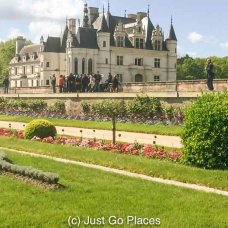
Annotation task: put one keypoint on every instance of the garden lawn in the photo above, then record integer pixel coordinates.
(95, 193)
(129, 127)
(138, 164)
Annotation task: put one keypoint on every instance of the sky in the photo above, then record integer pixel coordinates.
(200, 25)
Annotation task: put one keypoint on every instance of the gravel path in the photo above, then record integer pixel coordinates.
(129, 137)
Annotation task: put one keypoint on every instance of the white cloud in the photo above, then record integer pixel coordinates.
(44, 28)
(42, 17)
(40, 9)
(224, 45)
(195, 37)
(14, 32)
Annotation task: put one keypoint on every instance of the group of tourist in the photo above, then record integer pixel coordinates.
(85, 83)
(96, 83)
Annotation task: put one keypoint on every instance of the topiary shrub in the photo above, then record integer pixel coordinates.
(205, 133)
(40, 128)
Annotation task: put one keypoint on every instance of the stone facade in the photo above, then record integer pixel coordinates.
(128, 46)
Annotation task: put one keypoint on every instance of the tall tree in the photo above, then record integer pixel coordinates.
(7, 52)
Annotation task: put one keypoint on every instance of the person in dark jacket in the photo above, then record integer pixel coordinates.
(71, 83)
(85, 83)
(210, 69)
(115, 83)
(97, 82)
(53, 83)
(6, 83)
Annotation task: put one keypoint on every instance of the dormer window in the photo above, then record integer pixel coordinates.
(33, 56)
(139, 43)
(139, 29)
(157, 45)
(120, 41)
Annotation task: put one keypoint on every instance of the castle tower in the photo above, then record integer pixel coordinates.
(103, 34)
(171, 41)
(171, 44)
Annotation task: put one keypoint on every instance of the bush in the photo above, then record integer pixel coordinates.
(50, 178)
(26, 105)
(2, 155)
(40, 128)
(205, 133)
(86, 108)
(144, 106)
(58, 107)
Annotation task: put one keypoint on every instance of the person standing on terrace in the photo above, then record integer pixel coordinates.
(210, 69)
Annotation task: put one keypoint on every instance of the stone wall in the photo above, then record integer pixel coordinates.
(157, 87)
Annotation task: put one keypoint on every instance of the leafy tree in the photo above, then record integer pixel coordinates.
(7, 52)
(112, 109)
(194, 68)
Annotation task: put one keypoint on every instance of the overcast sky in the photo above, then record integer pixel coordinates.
(200, 25)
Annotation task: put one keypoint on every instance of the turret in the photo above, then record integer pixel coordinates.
(171, 41)
(103, 34)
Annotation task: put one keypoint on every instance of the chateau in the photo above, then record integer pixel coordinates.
(129, 46)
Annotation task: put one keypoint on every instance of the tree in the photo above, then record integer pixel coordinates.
(112, 109)
(189, 68)
(7, 52)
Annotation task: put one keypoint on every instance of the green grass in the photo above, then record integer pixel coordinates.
(164, 169)
(131, 127)
(95, 193)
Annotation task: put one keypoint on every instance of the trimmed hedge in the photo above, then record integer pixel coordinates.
(2, 155)
(40, 128)
(205, 133)
(47, 177)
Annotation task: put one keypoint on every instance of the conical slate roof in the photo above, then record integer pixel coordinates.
(103, 25)
(150, 29)
(172, 35)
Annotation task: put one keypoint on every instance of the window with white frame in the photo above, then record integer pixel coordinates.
(139, 43)
(157, 63)
(157, 45)
(139, 61)
(156, 78)
(119, 41)
(119, 60)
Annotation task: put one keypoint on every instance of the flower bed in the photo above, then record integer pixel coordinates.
(149, 151)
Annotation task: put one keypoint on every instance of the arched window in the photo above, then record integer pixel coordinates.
(138, 78)
(90, 66)
(83, 66)
(76, 66)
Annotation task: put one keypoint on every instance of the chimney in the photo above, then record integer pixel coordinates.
(72, 25)
(93, 15)
(20, 43)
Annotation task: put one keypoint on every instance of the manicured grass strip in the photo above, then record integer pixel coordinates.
(98, 194)
(164, 169)
(129, 127)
